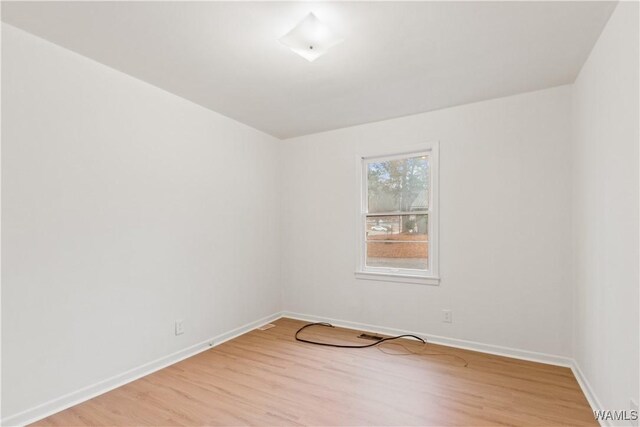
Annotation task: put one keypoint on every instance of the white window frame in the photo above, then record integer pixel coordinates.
(424, 277)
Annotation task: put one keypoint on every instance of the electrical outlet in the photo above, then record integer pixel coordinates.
(179, 327)
(447, 316)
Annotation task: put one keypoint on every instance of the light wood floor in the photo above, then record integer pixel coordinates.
(267, 378)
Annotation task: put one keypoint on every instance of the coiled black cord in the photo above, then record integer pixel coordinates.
(329, 325)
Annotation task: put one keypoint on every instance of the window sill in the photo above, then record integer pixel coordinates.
(401, 278)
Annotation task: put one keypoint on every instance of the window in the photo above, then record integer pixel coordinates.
(398, 217)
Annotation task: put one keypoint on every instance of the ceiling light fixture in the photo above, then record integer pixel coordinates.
(310, 38)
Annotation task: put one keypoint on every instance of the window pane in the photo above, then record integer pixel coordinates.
(397, 227)
(398, 241)
(398, 185)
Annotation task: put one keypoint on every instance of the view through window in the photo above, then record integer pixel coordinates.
(397, 213)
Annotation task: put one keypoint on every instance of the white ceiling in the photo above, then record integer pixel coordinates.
(398, 58)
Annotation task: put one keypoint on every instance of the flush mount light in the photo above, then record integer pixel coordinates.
(310, 38)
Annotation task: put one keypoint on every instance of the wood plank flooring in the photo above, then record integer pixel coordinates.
(267, 378)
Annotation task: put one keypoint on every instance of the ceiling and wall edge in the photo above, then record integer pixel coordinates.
(388, 54)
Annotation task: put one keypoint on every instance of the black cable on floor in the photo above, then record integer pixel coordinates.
(374, 344)
(329, 325)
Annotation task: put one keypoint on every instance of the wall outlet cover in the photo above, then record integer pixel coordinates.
(179, 327)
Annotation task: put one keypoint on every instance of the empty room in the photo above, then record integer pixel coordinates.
(320, 213)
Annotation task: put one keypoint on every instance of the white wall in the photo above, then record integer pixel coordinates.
(123, 208)
(605, 212)
(505, 258)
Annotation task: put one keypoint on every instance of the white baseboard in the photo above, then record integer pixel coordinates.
(56, 405)
(593, 400)
(515, 353)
